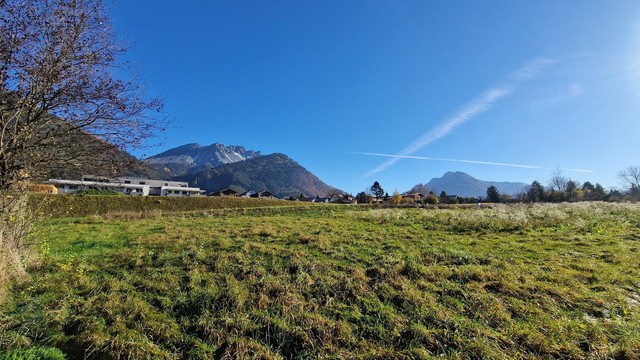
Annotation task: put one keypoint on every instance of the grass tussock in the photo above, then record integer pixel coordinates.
(521, 282)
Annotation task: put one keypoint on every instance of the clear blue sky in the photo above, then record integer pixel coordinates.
(322, 81)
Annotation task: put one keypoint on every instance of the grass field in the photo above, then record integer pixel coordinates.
(516, 282)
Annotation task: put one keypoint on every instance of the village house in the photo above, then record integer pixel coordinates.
(127, 186)
(43, 188)
(226, 192)
(264, 194)
(259, 194)
(413, 197)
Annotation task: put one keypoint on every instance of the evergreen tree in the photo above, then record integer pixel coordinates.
(493, 195)
(377, 190)
(535, 192)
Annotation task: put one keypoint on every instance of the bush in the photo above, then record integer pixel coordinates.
(94, 192)
(431, 199)
(15, 226)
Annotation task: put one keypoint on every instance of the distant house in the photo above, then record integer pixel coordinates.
(318, 199)
(246, 194)
(414, 197)
(225, 192)
(43, 188)
(127, 186)
(264, 194)
(343, 199)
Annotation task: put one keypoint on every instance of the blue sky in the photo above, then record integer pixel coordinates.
(538, 83)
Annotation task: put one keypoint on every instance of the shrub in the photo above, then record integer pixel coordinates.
(431, 199)
(95, 192)
(15, 226)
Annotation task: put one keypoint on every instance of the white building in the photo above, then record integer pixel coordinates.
(128, 186)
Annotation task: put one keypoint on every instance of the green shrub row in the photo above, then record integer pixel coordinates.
(57, 206)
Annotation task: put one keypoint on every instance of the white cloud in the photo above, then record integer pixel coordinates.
(398, 157)
(475, 107)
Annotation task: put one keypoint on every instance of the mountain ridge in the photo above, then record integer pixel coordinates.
(192, 158)
(274, 172)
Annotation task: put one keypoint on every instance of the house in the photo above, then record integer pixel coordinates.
(259, 194)
(43, 188)
(413, 197)
(348, 199)
(127, 186)
(318, 199)
(225, 192)
(264, 194)
(247, 194)
(343, 199)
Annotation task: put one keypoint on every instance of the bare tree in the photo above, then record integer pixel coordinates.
(557, 182)
(631, 176)
(60, 99)
(61, 102)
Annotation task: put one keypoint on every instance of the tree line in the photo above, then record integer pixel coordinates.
(558, 189)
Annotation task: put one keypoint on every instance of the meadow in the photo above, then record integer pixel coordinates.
(342, 282)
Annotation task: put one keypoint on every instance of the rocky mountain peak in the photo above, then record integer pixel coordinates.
(192, 158)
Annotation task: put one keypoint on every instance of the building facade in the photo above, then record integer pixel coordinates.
(127, 186)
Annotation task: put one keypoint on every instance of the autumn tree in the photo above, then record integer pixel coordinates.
(397, 197)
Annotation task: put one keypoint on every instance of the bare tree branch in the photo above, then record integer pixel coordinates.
(61, 102)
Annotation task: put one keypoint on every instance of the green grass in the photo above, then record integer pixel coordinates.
(34, 353)
(521, 282)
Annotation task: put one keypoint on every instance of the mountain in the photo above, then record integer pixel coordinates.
(463, 184)
(193, 158)
(276, 173)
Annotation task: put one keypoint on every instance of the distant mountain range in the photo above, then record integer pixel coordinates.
(465, 185)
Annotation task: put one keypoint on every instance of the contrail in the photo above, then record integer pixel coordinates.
(482, 103)
(469, 161)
